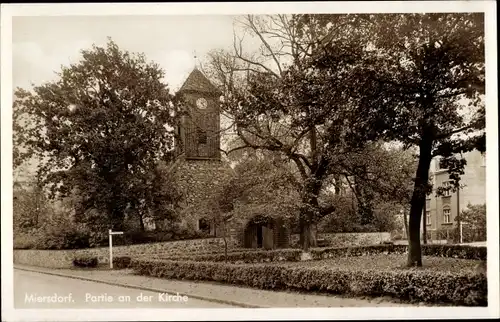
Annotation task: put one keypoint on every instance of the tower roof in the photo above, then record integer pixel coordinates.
(196, 81)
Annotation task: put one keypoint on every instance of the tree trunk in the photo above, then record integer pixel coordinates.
(225, 240)
(337, 185)
(141, 221)
(117, 217)
(424, 225)
(405, 221)
(418, 201)
(306, 237)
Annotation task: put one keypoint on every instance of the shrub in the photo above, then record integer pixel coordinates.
(24, 240)
(63, 238)
(256, 256)
(455, 251)
(413, 285)
(259, 256)
(121, 262)
(85, 261)
(136, 236)
(474, 218)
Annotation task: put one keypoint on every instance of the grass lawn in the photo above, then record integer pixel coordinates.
(389, 262)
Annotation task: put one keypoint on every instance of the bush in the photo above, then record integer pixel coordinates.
(259, 256)
(134, 237)
(85, 261)
(256, 256)
(413, 285)
(24, 240)
(455, 251)
(63, 238)
(121, 262)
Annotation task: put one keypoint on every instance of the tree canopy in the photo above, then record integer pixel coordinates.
(100, 129)
(322, 88)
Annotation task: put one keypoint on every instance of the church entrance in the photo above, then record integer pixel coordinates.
(265, 232)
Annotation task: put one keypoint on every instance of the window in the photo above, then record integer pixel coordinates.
(204, 225)
(446, 215)
(439, 164)
(447, 185)
(202, 137)
(428, 217)
(437, 160)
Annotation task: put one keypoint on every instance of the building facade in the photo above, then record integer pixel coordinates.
(441, 211)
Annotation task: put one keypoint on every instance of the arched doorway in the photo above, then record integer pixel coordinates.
(265, 232)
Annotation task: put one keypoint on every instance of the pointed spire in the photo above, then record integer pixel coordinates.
(198, 82)
(196, 62)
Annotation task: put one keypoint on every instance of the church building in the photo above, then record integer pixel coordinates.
(201, 168)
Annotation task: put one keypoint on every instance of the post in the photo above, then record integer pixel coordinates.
(461, 233)
(110, 249)
(111, 233)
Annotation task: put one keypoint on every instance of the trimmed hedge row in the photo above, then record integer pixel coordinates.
(85, 261)
(289, 255)
(122, 262)
(454, 251)
(411, 284)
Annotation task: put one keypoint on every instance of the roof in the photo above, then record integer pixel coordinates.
(196, 81)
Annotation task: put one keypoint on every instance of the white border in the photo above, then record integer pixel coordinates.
(8, 11)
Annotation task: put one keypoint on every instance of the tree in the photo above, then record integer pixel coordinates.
(28, 205)
(474, 218)
(100, 130)
(291, 108)
(426, 71)
(384, 174)
(257, 186)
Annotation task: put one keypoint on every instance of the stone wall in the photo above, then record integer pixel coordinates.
(198, 179)
(64, 258)
(348, 239)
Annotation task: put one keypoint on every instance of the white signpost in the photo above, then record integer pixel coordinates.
(111, 233)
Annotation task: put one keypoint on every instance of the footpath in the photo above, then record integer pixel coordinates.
(226, 294)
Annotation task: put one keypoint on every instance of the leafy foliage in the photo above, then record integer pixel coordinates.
(311, 117)
(421, 71)
(474, 222)
(420, 82)
(100, 131)
(29, 205)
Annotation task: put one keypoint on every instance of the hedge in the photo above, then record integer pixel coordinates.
(121, 262)
(454, 251)
(85, 261)
(411, 284)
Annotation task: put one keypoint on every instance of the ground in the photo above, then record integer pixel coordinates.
(234, 295)
(390, 262)
(90, 295)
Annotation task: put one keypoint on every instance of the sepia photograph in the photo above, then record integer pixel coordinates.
(249, 161)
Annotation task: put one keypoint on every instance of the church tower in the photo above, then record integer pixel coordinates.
(199, 131)
(199, 149)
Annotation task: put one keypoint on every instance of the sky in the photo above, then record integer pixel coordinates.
(42, 44)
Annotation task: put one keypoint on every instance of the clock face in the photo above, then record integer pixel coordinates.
(201, 103)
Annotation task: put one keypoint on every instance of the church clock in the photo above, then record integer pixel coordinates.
(201, 103)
